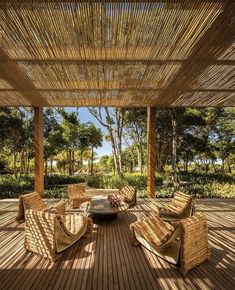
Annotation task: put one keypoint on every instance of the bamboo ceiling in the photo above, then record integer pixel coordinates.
(117, 53)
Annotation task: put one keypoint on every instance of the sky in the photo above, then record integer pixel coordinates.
(85, 116)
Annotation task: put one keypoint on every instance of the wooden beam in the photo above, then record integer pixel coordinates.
(124, 62)
(217, 39)
(38, 150)
(126, 89)
(151, 151)
(10, 72)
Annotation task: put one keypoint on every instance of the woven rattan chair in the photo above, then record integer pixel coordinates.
(180, 207)
(129, 194)
(48, 234)
(34, 201)
(185, 244)
(77, 194)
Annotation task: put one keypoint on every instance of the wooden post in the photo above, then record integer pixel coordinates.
(151, 150)
(38, 150)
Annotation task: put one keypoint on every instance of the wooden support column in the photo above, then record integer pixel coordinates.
(151, 151)
(38, 150)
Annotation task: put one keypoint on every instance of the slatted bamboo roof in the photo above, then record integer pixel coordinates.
(117, 53)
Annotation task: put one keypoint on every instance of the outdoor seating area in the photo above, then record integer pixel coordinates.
(107, 258)
(136, 214)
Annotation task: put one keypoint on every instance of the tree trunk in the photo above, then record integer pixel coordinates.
(67, 157)
(51, 161)
(139, 157)
(46, 174)
(174, 150)
(14, 162)
(22, 163)
(119, 154)
(186, 166)
(81, 160)
(28, 164)
(73, 167)
(70, 161)
(92, 159)
(223, 168)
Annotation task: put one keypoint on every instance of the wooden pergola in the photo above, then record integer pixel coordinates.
(116, 53)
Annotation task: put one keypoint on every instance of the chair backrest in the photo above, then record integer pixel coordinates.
(194, 241)
(76, 190)
(180, 202)
(40, 227)
(154, 230)
(31, 200)
(128, 192)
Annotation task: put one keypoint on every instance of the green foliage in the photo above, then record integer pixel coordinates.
(12, 186)
(203, 178)
(114, 181)
(214, 189)
(55, 180)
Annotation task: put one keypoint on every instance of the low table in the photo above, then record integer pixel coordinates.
(101, 209)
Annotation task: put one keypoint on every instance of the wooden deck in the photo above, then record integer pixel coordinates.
(108, 261)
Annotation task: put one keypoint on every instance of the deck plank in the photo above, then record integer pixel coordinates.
(106, 260)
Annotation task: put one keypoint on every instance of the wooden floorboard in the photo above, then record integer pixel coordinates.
(106, 260)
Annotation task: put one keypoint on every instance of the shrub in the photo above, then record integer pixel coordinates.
(114, 181)
(56, 192)
(13, 186)
(203, 177)
(55, 179)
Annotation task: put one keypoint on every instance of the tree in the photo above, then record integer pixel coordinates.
(70, 125)
(136, 130)
(174, 149)
(16, 135)
(114, 121)
(53, 138)
(95, 138)
(106, 163)
(224, 134)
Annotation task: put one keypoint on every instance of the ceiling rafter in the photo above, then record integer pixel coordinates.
(118, 61)
(102, 89)
(19, 81)
(217, 38)
(165, 53)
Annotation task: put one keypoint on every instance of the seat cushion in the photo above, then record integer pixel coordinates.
(154, 230)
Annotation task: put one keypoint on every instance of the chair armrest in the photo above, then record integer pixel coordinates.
(59, 206)
(194, 242)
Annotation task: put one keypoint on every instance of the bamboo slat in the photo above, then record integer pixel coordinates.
(107, 260)
(117, 53)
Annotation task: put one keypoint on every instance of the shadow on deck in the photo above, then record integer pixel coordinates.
(108, 261)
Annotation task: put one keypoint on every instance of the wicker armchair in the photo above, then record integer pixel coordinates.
(34, 201)
(185, 244)
(48, 234)
(77, 194)
(129, 194)
(180, 207)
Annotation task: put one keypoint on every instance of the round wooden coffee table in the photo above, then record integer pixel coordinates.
(101, 210)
